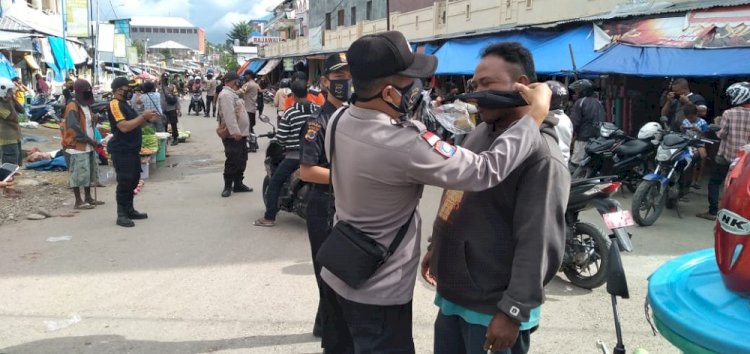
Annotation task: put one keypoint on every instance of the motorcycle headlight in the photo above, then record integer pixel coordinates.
(663, 154)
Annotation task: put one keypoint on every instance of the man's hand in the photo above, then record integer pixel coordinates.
(684, 99)
(237, 137)
(501, 333)
(426, 273)
(150, 115)
(8, 184)
(538, 96)
(670, 95)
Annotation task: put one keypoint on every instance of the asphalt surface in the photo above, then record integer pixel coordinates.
(197, 277)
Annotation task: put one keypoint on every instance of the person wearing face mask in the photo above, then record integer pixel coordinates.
(513, 234)
(125, 147)
(79, 144)
(231, 111)
(336, 81)
(380, 160)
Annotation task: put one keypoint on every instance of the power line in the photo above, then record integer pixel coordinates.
(113, 9)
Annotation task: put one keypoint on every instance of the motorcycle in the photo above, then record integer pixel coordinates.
(268, 95)
(676, 157)
(295, 192)
(196, 103)
(586, 246)
(44, 108)
(614, 153)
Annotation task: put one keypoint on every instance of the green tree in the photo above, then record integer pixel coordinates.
(241, 31)
(140, 47)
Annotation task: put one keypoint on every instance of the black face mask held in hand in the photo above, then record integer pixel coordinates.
(494, 99)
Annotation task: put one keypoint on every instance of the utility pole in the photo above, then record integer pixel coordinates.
(388, 15)
(65, 40)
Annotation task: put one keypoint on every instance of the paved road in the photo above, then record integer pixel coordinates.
(198, 277)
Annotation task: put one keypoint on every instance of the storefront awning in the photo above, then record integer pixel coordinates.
(551, 50)
(77, 53)
(31, 62)
(663, 62)
(272, 64)
(256, 65)
(6, 68)
(243, 67)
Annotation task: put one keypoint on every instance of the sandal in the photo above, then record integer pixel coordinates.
(84, 206)
(95, 202)
(707, 216)
(265, 223)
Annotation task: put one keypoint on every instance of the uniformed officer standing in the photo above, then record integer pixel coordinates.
(314, 166)
(380, 164)
(125, 147)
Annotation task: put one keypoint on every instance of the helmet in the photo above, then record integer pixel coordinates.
(5, 86)
(248, 72)
(285, 83)
(559, 94)
(739, 93)
(581, 85)
(649, 131)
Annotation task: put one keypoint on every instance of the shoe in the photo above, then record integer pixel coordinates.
(317, 331)
(707, 216)
(696, 186)
(226, 192)
(241, 188)
(136, 215)
(175, 142)
(264, 222)
(124, 221)
(95, 202)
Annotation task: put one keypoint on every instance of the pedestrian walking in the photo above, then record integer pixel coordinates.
(10, 130)
(233, 116)
(314, 169)
(587, 115)
(249, 92)
(380, 161)
(125, 147)
(170, 105)
(78, 140)
(210, 94)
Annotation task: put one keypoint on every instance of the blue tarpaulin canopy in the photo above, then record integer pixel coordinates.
(256, 65)
(63, 60)
(6, 68)
(659, 61)
(550, 50)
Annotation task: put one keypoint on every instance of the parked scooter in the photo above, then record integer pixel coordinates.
(614, 153)
(587, 252)
(44, 108)
(196, 103)
(295, 192)
(671, 179)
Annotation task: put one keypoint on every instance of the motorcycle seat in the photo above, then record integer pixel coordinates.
(633, 147)
(674, 140)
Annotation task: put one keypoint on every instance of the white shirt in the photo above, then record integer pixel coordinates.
(564, 130)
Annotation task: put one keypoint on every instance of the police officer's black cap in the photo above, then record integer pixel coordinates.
(121, 81)
(231, 76)
(384, 54)
(336, 61)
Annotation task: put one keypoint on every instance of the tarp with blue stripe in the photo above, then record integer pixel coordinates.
(6, 68)
(663, 62)
(63, 60)
(256, 65)
(550, 50)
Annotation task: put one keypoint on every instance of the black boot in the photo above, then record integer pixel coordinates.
(122, 217)
(135, 214)
(227, 188)
(175, 141)
(240, 187)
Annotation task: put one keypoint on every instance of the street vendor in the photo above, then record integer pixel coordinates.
(125, 146)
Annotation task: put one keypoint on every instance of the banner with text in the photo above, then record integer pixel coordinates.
(77, 18)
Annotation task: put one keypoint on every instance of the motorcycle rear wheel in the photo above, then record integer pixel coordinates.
(648, 203)
(590, 240)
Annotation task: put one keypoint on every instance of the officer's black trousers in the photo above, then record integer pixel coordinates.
(318, 218)
(128, 169)
(236, 162)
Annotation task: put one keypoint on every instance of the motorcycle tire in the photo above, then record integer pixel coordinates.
(600, 244)
(266, 181)
(648, 191)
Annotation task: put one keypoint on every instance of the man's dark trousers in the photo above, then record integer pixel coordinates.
(251, 116)
(128, 169)
(236, 162)
(318, 217)
(280, 175)
(718, 174)
(172, 121)
(209, 100)
(453, 335)
(371, 328)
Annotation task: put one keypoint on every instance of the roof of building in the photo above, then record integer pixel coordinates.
(155, 21)
(169, 45)
(648, 9)
(245, 49)
(8, 23)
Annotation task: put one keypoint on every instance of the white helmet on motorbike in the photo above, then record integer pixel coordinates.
(649, 131)
(6, 86)
(739, 93)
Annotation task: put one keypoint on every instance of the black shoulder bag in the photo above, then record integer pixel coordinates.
(348, 253)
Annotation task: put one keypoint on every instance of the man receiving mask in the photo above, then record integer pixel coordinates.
(314, 168)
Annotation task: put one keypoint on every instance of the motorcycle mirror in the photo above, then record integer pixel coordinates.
(617, 283)
(264, 118)
(714, 127)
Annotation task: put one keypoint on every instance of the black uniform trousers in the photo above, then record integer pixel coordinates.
(209, 100)
(236, 162)
(318, 227)
(172, 121)
(128, 169)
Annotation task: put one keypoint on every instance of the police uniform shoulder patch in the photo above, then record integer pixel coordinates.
(312, 131)
(430, 138)
(445, 149)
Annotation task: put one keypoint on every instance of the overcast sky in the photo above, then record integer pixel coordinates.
(215, 16)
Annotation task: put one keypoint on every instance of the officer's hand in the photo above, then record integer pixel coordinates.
(670, 95)
(237, 137)
(426, 273)
(538, 96)
(501, 333)
(150, 115)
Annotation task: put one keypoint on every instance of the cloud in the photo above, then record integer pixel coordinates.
(215, 16)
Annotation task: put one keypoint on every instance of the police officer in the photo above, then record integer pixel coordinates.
(314, 166)
(381, 162)
(125, 147)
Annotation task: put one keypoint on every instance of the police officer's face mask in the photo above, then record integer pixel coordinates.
(127, 94)
(341, 89)
(410, 98)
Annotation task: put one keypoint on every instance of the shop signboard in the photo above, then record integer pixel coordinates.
(288, 64)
